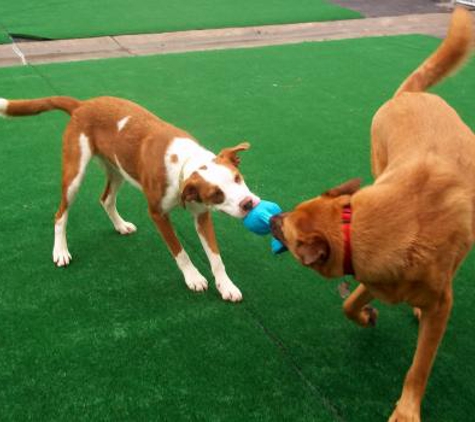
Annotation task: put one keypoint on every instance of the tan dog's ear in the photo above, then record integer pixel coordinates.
(347, 188)
(231, 154)
(314, 251)
(190, 192)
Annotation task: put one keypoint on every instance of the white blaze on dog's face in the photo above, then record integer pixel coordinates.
(219, 185)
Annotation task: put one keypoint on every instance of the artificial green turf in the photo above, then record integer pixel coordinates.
(4, 37)
(54, 19)
(117, 336)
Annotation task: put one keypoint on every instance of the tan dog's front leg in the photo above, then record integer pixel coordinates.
(193, 278)
(431, 330)
(356, 307)
(205, 229)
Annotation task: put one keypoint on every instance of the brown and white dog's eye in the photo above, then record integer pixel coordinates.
(217, 197)
(238, 178)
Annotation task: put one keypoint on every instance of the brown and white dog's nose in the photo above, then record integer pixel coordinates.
(247, 204)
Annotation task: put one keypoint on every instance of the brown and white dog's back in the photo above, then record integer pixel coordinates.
(165, 162)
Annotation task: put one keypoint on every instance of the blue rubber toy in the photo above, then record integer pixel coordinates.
(258, 221)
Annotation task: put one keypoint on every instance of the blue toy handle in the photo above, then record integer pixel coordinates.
(277, 246)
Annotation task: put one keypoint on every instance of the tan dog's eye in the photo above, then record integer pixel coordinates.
(238, 178)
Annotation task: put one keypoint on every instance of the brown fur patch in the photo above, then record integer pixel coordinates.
(196, 188)
(206, 229)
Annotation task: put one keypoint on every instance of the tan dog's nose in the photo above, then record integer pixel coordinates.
(247, 204)
(276, 226)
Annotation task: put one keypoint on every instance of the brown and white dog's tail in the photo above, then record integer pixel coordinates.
(31, 107)
(450, 55)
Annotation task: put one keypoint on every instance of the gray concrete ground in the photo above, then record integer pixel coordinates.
(374, 8)
(387, 17)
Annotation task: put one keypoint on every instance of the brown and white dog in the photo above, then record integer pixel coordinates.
(166, 163)
(411, 229)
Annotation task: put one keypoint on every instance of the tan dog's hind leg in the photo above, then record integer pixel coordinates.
(193, 278)
(108, 201)
(205, 229)
(431, 330)
(76, 156)
(356, 307)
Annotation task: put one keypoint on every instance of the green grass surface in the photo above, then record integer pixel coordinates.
(55, 19)
(4, 38)
(117, 336)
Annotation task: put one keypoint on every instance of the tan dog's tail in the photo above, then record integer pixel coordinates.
(451, 54)
(31, 107)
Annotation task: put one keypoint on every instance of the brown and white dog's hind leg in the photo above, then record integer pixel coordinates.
(205, 229)
(76, 155)
(193, 278)
(109, 200)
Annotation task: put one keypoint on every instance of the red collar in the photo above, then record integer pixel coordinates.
(346, 227)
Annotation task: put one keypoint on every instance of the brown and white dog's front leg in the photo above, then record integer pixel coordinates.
(205, 229)
(193, 278)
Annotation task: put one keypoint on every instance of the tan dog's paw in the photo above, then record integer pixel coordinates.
(368, 316)
(402, 414)
(417, 313)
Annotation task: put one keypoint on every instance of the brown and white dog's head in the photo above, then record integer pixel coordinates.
(312, 231)
(219, 185)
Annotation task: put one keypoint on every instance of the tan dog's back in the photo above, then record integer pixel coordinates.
(423, 123)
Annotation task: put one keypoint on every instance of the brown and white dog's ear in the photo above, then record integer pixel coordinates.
(348, 188)
(316, 250)
(231, 154)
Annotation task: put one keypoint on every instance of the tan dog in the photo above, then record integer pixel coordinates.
(166, 163)
(411, 229)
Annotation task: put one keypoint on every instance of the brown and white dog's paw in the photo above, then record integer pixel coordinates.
(61, 256)
(126, 228)
(229, 291)
(196, 282)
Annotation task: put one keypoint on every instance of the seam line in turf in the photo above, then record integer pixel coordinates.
(316, 391)
(15, 47)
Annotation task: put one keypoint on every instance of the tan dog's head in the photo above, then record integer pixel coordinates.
(219, 184)
(312, 231)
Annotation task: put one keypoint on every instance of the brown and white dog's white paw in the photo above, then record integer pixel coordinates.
(193, 278)
(229, 291)
(125, 228)
(61, 256)
(196, 282)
